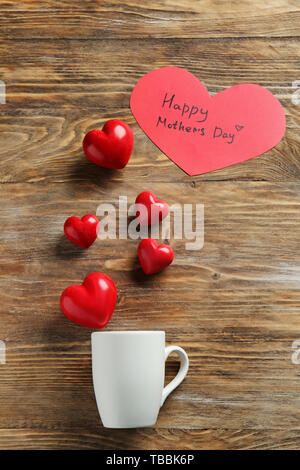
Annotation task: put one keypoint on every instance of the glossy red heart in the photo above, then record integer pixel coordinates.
(202, 133)
(155, 210)
(154, 257)
(110, 147)
(91, 303)
(83, 232)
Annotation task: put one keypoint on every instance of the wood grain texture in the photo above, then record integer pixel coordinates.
(111, 19)
(234, 305)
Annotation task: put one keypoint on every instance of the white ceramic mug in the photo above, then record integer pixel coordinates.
(128, 376)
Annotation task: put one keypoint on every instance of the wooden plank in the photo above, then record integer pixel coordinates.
(82, 74)
(149, 439)
(162, 19)
(43, 145)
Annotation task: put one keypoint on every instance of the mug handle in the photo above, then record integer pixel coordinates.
(184, 367)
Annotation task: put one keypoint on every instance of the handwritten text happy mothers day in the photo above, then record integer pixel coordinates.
(192, 112)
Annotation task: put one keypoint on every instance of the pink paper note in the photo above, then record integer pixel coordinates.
(202, 133)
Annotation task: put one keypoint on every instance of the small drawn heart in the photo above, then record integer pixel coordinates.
(197, 131)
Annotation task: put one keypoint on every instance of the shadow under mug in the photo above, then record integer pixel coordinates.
(128, 376)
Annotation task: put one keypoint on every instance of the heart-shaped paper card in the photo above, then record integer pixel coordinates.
(202, 133)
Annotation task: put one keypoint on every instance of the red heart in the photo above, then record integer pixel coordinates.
(83, 231)
(202, 133)
(154, 257)
(156, 210)
(91, 303)
(111, 147)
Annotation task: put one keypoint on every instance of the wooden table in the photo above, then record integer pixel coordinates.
(234, 306)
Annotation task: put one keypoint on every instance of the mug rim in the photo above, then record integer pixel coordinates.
(128, 332)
